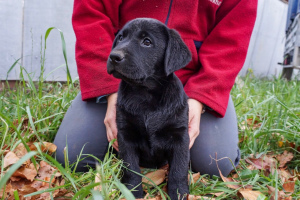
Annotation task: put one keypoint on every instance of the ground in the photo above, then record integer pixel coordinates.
(269, 131)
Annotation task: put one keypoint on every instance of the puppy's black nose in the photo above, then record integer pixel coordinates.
(116, 57)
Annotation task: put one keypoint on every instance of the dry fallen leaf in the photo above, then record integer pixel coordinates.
(195, 177)
(151, 198)
(225, 179)
(23, 178)
(10, 159)
(26, 189)
(157, 177)
(217, 194)
(98, 180)
(284, 175)
(45, 147)
(28, 172)
(20, 150)
(284, 158)
(281, 194)
(249, 194)
(165, 167)
(264, 162)
(8, 191)
(193, 197)
(289, 186)
(46, 171)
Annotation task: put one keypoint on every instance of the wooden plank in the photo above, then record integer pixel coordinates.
(10, 36)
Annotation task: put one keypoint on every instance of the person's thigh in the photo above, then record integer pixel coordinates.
(82, 129)
(217, 136)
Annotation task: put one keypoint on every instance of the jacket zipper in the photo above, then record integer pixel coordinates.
(169, 12)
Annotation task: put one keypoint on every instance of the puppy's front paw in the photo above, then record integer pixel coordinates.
(178, 193)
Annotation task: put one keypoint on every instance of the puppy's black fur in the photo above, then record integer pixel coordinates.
(152, 109)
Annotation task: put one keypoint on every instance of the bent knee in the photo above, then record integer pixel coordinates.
(212, 165)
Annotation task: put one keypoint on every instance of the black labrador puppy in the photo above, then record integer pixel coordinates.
(152, 109)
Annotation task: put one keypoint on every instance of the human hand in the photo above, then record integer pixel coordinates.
(195, 110)
(110, 119)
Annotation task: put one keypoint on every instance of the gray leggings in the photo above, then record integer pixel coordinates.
(83, 126)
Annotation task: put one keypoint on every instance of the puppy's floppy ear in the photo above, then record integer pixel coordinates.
(177, 53)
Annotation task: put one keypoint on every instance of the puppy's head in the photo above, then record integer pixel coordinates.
(145, 48)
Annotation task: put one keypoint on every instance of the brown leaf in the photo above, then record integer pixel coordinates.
(284, 175)
(62, 192)
(165, 167)
(26, 189)
(45, 196)
(66, 196)
(291, 144)
(149, 198)
(98, 180)
(281, 194)
(195, 177)
(264, 162)
(217, 194)
(45, 147)
(289, 186)
(12, 178)
(249, 194)
(8, 191)
(48, 147)
(284, 158)
(4, 152)
(28, 172)
(45, 173)
(10, 159)
(193, 197)
(20, 150)
(157, 177)
(225, 179)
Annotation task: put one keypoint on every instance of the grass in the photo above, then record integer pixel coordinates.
(268, 118)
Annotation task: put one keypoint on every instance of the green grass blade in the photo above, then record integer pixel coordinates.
(16, 195)
(20, 137)
(61, 169)
(32, 124)
(64, 49)
(96, 195)
(127, 194)
(85, 189)
(32, 86)
(12, 67)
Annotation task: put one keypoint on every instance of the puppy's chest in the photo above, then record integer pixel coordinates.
(153, 121)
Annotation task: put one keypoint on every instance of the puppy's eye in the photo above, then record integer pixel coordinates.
(120, 37)
(147, 42)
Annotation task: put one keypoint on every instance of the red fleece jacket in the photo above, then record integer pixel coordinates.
(223, 27)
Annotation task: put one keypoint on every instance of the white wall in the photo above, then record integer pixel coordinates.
(16, 40)
(10, 35)
(266, 47)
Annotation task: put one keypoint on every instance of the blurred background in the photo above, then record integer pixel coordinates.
(274, 46)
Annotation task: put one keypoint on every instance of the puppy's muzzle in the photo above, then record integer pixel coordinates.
(115, 58)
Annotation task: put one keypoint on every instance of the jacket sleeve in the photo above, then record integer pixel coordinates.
(95, 23)
(223, 54)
